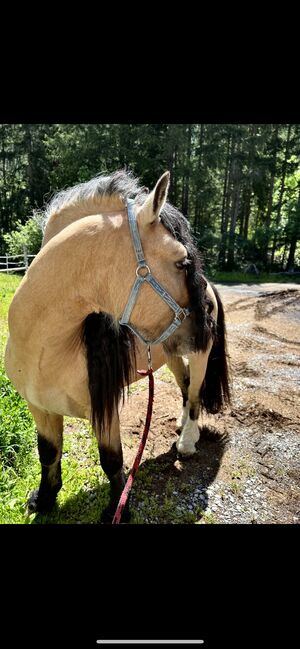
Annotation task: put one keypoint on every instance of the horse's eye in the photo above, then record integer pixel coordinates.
(181, 265)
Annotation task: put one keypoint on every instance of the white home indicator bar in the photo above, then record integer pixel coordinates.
(150, 641)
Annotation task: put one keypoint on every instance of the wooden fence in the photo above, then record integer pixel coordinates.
(14, 266)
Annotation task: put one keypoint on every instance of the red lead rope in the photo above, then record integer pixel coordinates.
(133, 472)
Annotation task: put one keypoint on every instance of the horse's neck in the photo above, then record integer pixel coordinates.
(70, 213)
(72, 276)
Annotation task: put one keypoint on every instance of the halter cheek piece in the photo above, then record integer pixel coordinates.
(143, 274)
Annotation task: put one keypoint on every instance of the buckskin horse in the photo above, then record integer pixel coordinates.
(118, 270)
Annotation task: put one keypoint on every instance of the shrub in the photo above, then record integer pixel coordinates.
(30, 235)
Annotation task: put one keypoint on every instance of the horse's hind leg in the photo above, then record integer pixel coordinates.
(50, 430)
(111, 459)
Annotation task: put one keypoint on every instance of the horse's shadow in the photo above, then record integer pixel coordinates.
(180, 485)
(167, 489)
(84, 507)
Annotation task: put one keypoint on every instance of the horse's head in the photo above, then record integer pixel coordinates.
(168, 261)
(93, 213)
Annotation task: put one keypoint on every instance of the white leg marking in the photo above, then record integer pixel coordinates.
(180, 422)
(188, 438)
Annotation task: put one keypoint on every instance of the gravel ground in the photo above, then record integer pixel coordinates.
(246, 469)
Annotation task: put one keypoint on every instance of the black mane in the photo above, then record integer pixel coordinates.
(200, 304)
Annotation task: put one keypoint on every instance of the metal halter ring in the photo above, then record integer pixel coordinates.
(141, 268)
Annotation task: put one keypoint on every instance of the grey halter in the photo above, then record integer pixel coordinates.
(180, 313)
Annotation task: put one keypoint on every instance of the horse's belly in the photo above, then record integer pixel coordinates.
(57, 385)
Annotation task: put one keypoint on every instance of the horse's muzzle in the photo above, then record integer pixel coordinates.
(183, 340)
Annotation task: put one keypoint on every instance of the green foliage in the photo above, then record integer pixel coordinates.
(8, 285)
(238, 277)
(237, 183)
(16, 431)
(29, 235)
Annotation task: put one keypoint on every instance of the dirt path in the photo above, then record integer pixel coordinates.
(246, 469)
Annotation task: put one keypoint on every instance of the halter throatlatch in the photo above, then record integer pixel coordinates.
(143, 274)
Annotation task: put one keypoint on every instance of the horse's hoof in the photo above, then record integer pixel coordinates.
(36, 504)
(184, 456)
(184, 453)
(32, 502)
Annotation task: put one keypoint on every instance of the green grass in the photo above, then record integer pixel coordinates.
(16, 427)
(165, 374)
(8, 286)
(246, 278)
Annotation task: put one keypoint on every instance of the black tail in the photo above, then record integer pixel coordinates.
(215, 391)
(110, 361)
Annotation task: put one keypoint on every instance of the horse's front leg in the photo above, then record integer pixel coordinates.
(111, 459)
(186, 444)
(180, 368)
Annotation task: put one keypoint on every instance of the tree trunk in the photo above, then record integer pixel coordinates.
(226, 198)
(185, 193)
(234, 215)
(199, 169)
(4, 209)
(173, 137)
(225, 184)
(281, 193)
(29, 172)
(270, 200)
(291, 257)
(247, 206)
(235, 206)
(247, 211)
(175, 174)
(284, 255)
(295, 236)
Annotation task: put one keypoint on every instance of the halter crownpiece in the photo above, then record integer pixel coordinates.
(143, 274)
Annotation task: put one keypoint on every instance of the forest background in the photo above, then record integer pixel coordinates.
(238, 184)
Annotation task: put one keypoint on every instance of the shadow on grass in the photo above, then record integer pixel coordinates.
(163, 484)
(84, 507)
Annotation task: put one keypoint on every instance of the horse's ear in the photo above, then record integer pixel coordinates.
(151, 208)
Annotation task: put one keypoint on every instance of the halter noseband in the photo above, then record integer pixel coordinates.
(180, 313)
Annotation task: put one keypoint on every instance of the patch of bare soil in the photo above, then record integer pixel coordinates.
(246, 469)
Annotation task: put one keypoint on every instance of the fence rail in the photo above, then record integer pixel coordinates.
(23, 260)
